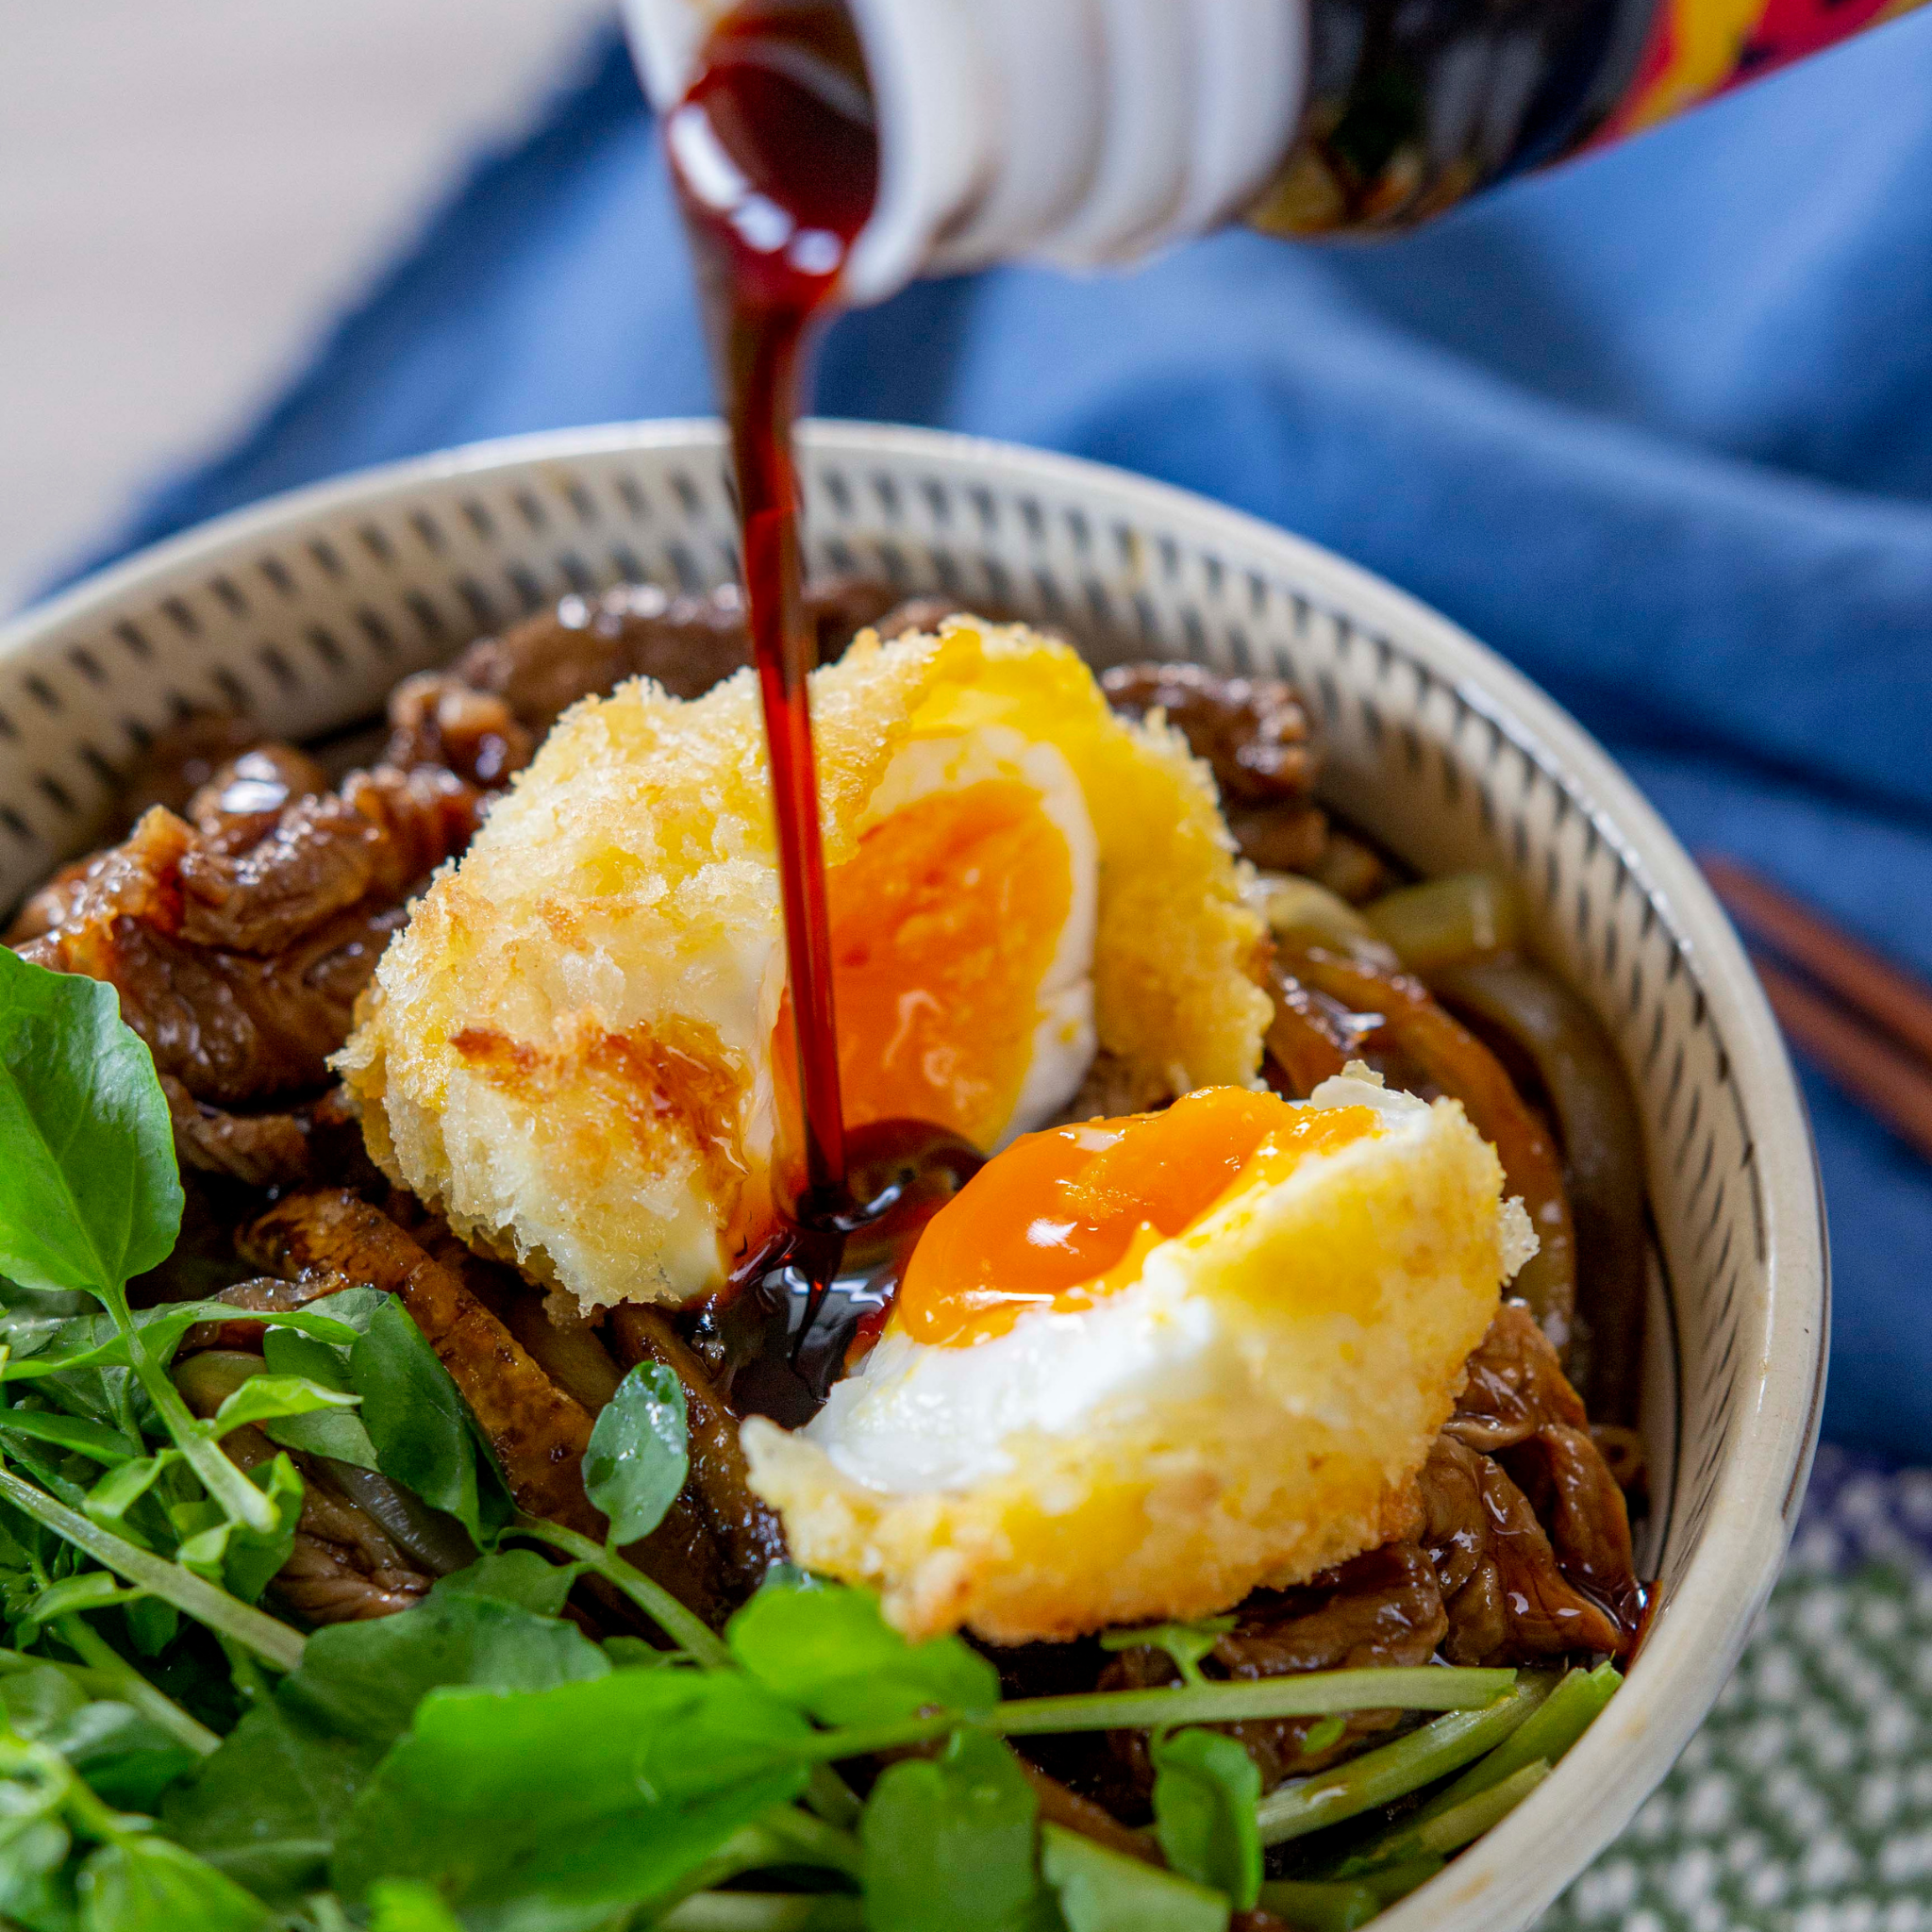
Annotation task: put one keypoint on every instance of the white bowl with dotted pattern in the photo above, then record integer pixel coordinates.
(306, 609)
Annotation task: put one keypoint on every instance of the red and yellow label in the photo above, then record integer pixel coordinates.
(1702, 48)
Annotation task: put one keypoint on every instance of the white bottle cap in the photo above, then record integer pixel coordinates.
(1083, 132)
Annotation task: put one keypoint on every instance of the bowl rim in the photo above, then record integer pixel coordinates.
(1504, 1876)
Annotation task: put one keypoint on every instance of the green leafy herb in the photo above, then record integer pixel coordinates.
(949, 1842)
(455, 1803)
(1314, 1905)
(269, 1640)
(92, 1440)
(1205, 1789)
(264, 1809)
(90, 1194)
(1324, 1736)
(1186, 1643)
(400, 1905)
(516, 1577)
(1427, 1687)
(132, 1883)
(628, 1653)
(268, 1398)
(415, 1415)
(1103, 1891)
(689, 1631)
(832, 1653)
(734, 1730)
(149, 1885)
(637, 1460)
(97, 1341)
(336, 1433)
(127, 1759)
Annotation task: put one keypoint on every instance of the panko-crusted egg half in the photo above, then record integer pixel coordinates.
(1140, 1367)
(580, 1050)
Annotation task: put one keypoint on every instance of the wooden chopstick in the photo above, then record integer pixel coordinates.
(1869, 1065)
(1871, 985)
(1866, 1022)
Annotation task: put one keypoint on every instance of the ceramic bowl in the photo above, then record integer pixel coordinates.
(306, 609)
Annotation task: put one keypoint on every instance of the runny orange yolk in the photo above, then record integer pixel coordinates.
(1063, 1218)
(944, 923)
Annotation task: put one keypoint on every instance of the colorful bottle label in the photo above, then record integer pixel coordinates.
(1701, 49)
(1415, 104)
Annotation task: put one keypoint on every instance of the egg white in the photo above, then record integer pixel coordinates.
(1251, 1408)
(920, 1416)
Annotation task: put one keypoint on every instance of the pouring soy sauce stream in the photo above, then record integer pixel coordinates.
(774, 152)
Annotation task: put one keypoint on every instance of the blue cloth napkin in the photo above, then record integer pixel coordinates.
(1657, 426)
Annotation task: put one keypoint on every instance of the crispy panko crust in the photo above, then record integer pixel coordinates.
(567, 1051)
(1356, 1304)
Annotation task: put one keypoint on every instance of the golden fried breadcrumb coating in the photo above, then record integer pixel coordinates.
(1313, 1344)
(569, 1050)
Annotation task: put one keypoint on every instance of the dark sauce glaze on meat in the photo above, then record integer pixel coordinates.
(244, 911)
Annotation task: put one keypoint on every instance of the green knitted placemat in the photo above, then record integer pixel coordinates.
(1805, 1803)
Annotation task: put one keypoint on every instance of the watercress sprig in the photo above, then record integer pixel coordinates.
(90, 1193)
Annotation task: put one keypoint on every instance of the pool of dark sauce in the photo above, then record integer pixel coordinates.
(775, 153)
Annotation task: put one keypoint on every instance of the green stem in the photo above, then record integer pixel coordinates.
(1378, 1777)
(1570, 1711)
(130, 1687)
(810, 1840)
(1315, 1694)
(782, 1836)
(1340, 1904)
(827, 1794)
(1320, 1905)
(12, 1663)
(1447, 1831)
(66, 1791)
(238, 1496)
(685, 1628)
(273, 1642)
(757, 1911)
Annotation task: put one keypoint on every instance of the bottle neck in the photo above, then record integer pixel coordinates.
(1081, 132)
(1091, 132)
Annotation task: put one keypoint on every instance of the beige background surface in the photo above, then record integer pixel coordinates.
(189, 190)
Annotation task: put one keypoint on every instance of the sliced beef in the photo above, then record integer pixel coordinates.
(1254, 731)
(241, 804)
(1383, 1608)
(485, 715)
(1507, 1598)
(344, 1567)
(1519, 1409)
(231, 1027)
(178, 762)
(1516, 1386)
(385, 830)
(538, 1433)
(239, 944)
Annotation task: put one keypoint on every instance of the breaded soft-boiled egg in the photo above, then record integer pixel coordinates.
(579, 1049)
(1138, 1367)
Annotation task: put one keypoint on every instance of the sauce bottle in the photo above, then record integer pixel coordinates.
(1092, 132)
